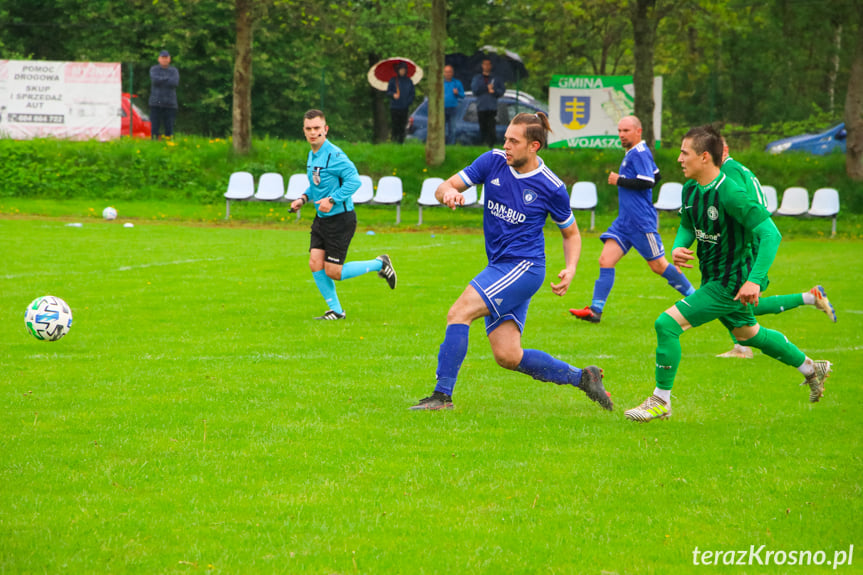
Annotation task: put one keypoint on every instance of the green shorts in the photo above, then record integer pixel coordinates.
(713, 301)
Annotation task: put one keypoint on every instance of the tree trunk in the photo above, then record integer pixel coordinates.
(242, 105)
(380, 128)
(436, 139)
(834, 66)
(643, 14)
(854, 109)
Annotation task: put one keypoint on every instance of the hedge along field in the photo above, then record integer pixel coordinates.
(197, 169)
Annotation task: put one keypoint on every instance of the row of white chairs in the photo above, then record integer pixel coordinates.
(795, 201)
(271, 188)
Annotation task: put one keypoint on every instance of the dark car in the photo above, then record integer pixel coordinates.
(466, 119)
(822, 143)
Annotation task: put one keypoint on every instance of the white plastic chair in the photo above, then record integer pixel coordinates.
(825, 204)
(584, 197)
(795, 202)
(366, 192)
(241, 186)
(271, 187)
(670, 197)
(390, 192)
(470, 196)
(481, 202)
(771, 197)
(297, 186)
(427, 197)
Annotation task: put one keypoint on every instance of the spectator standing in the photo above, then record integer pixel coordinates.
(164, 80)
(401, 91)
(453, 93)
(487, 88)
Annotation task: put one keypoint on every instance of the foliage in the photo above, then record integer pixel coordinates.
(743, 63)
(197, 168)
(197, 420)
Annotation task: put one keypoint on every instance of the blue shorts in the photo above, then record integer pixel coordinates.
(648, 244)
(506, 289)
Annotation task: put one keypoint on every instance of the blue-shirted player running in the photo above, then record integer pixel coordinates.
(520, 193)
(635, 225)
(333, 179)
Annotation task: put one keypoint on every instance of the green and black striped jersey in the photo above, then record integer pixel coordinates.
(722, 215)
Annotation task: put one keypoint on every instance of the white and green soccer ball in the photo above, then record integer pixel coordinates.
(48, 318)
(109, 213)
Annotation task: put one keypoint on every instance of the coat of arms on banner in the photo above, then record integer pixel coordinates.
(575, 111)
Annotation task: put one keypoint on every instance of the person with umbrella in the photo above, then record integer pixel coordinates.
(401, 91)
(487, 89)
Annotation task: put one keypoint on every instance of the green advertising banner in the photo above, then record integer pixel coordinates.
(584, 110)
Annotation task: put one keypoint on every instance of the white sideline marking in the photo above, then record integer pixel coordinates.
(857, 311)
(173, 263)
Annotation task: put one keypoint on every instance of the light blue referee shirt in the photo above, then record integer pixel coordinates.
(331, 174)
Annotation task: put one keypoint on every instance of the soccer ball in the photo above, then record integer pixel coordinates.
(109, 213)
(48, 318)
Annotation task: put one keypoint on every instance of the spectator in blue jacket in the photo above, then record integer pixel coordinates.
(453, 92)
(401, 92)
(164, 80)
(487, 89)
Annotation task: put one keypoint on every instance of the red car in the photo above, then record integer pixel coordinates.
(140, 121)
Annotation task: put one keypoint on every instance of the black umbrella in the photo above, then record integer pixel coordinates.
(506, 65)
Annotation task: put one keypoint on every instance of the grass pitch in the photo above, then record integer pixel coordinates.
(196, 418)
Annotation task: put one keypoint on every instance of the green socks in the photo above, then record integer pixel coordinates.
(778, 303)
(668, 352)
(777, 346)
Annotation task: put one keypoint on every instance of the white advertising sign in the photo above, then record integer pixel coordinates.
(72, 100)
(584, 110)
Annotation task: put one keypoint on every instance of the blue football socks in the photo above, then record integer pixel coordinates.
(602, 288)
(327, 287)
(354, 269)
(540, 365)
(452, 353)
(678, 281)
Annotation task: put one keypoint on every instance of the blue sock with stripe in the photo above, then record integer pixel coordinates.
(354, 269)
(678, 281)
(327, 287)
(602, 288)
(452, 353)
(544, 367)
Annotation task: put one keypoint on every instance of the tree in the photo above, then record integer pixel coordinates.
(854, 108)
(436, 138)
(242, 106)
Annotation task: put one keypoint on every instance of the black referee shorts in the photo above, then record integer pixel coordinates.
(333, 235)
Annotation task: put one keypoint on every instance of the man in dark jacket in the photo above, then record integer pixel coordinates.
(487, 89)
(164, 80)
(401, 92)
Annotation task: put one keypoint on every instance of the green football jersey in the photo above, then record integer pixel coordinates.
(722, 215)
(744, 176)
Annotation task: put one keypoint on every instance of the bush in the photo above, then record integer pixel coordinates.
(197, 169)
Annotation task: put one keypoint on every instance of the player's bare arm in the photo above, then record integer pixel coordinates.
(449, 193)
(571, 255)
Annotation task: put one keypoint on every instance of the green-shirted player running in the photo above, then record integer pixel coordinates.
(778, 303)
(725, 219)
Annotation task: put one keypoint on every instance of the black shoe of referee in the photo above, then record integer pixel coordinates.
(387, 272)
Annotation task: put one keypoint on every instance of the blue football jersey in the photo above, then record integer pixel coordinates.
(636, 209)
(516, 207)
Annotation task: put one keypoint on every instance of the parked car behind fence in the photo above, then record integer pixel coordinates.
(466, 118)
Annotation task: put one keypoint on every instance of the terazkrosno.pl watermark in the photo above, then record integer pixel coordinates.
(763, 556)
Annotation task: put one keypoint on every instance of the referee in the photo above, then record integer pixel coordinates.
(333, 179)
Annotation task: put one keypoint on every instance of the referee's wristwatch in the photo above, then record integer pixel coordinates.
(332, 201)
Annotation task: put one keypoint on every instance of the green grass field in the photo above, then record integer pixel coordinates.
(196, 418)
